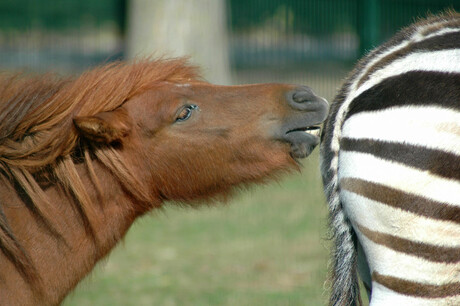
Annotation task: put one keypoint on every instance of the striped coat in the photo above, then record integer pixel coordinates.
(390, 161)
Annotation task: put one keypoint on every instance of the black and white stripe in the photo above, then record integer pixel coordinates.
(390, 160)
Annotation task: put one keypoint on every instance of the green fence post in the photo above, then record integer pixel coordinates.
(368, 25)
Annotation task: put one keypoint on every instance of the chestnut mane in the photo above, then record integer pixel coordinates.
(39, 144)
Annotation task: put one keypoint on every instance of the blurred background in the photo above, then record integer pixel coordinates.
(269, 245)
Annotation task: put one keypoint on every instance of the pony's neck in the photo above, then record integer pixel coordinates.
(62, 263)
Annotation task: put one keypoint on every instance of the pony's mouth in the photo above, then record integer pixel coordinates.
(303, 140)
(314, 130)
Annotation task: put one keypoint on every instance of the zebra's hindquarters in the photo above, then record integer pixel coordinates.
(391, 168)
(403, 205)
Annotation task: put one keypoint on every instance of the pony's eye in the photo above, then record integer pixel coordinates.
(186, 112)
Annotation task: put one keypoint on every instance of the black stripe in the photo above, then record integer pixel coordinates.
(439, 42)
(427, 251)
(436, 43)
(417, 289)
(402, 200)
(411, 88)
(435, 161)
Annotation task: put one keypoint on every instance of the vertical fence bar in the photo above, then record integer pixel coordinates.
(368, 25)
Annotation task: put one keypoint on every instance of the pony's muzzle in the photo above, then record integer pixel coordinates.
(302, 128)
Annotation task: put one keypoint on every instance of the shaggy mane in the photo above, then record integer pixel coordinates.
(38, 139)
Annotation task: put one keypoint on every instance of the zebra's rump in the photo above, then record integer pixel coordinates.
(391, 164)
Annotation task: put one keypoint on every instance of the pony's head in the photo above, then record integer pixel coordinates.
(193, 140)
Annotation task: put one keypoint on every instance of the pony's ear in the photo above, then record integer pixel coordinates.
(105, 127)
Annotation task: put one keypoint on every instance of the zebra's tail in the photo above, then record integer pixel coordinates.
(344, 276)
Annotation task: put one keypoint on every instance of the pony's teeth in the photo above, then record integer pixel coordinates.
(315, 132)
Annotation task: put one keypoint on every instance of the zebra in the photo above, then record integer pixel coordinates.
(390, 164)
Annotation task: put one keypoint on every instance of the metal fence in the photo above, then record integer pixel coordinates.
(280, 32)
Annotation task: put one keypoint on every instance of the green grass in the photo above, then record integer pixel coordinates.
(266, 247)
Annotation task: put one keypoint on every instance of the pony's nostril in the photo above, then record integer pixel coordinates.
(303, 98)
(304, 94)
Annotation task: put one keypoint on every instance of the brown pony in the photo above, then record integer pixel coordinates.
(81, 159)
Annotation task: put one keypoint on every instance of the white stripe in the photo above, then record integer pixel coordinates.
(398, 176)
(335, 145)
(382, 296)
(431, 127)
(389, 262)
(394, 221)
(443, 32)
(442, 61)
